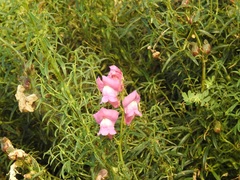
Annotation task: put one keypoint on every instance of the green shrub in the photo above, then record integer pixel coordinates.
(183, 58)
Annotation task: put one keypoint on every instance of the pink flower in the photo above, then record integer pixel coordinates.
(110, 89)
(116, 74)
(108, 81)
(107, 119)
(130, 105)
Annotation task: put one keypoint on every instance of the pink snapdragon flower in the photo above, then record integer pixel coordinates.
(111, 85)
(116, 74)
(110, 89)
(107, 119)
(130, 105)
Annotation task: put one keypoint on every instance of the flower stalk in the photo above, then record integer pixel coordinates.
(203, 74)
(112, 88)
(121, 140)
(206, 49)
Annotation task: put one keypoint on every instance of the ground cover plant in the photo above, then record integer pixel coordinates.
(120, 89)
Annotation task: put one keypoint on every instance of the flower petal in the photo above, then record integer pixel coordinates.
(130, 105)
(113, 83)
(106, 127)
(106, 113)
(115, 72)
(134, 96)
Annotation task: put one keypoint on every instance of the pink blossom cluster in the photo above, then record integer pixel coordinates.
(110, 86)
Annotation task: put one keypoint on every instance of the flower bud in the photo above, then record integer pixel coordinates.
(156, 54)
(217, 127)
(190, 20)
(195, 49)
(149, 47)
(185, 2)
(206, 48)
(228, 77)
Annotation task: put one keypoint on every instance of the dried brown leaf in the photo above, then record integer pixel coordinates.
(25, 103)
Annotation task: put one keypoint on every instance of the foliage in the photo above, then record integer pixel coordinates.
(183, 57)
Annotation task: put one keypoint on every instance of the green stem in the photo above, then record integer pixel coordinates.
(121, 138)
(203, 74)
(121, 129)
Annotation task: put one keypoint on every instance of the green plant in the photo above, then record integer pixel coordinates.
(182, 56)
